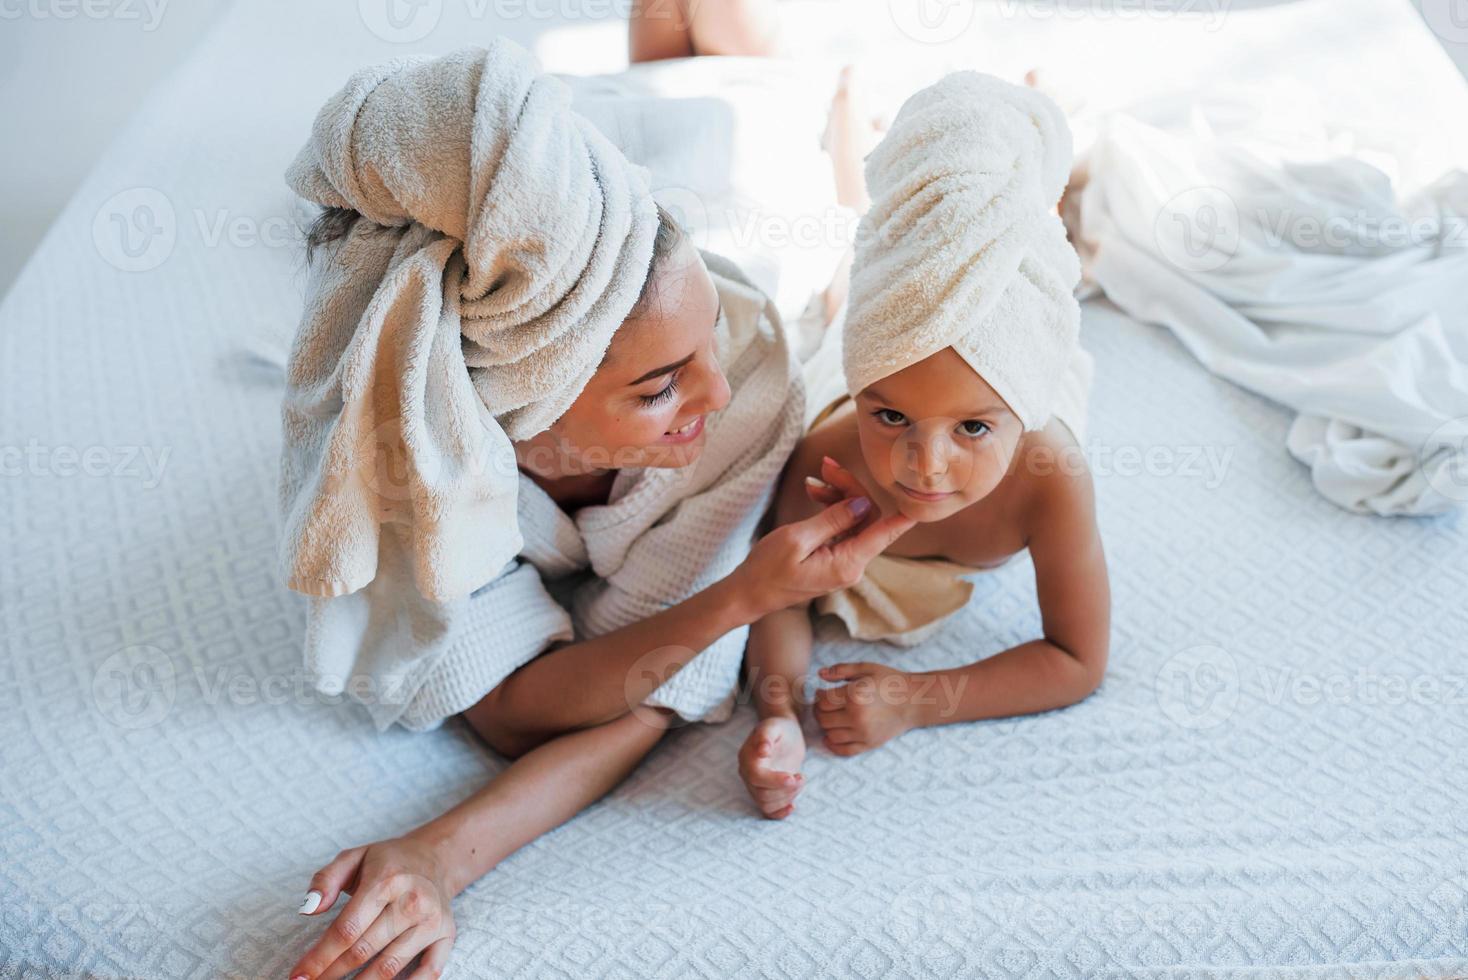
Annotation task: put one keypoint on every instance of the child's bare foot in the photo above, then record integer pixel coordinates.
(769, 764)
(851, 132)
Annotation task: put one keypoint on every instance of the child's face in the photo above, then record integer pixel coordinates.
(935, 436)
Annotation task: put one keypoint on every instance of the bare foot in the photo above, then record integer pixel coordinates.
(851, 132)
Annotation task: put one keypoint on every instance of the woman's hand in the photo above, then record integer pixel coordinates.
(829, 551)
(825, 552)
(400, 907)
(835, 485)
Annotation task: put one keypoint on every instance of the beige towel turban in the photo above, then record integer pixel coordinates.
(507, 241)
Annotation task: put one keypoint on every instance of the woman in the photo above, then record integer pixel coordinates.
(669, 407)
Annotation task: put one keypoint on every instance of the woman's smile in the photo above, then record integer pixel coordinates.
(687, 433)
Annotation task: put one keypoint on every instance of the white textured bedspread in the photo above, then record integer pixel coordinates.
(1273, 780)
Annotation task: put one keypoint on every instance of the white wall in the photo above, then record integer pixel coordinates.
(70, 74)
(71, 71)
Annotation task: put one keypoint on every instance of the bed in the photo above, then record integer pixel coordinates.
(1272, 781)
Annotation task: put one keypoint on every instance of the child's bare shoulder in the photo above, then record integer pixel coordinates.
(835, 436)
(1056, 480)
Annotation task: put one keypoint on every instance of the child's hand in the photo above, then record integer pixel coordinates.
(769, 764)
(872, 707)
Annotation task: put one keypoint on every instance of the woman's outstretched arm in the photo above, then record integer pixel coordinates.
(402, 889)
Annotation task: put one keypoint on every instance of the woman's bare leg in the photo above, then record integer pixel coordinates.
(496, 719)
(850, 135)
(658, 29)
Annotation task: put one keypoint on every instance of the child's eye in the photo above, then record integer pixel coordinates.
(888, 416)
(661, 396)
(973, 428)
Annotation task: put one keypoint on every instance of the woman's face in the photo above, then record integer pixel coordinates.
(648, 401)
(935, 437)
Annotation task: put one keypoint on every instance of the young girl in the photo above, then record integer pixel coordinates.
(960, 344)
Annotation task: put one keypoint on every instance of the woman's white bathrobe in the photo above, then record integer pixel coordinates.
(663, 535)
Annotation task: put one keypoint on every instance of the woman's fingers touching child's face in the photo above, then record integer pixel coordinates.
(834, 484)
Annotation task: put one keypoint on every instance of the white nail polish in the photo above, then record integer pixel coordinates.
(311, 904)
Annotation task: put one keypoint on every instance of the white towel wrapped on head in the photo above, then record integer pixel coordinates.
(962, 247)
(506, 241)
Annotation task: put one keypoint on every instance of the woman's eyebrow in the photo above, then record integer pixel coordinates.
(665, 369)
(670, 368)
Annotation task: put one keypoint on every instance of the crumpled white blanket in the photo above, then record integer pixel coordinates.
(1281, 254)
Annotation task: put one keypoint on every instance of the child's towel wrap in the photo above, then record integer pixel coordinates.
(962, 246)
